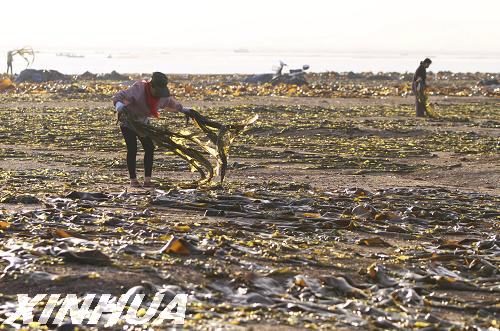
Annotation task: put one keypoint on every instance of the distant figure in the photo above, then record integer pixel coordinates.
(10, 58)
(419, 85)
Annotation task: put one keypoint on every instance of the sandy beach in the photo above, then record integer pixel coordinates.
(336, 195)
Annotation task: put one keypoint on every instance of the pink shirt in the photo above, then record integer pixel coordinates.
(135, 99)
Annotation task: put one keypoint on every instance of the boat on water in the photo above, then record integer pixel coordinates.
(241, 50)
(72, 55)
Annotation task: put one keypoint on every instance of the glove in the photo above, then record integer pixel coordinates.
(120, 109)
(119, 106)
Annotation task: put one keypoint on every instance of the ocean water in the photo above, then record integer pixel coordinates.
(249, 62)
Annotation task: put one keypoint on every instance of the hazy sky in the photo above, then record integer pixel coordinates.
(379, 25)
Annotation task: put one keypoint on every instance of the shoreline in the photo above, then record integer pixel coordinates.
(309, 73)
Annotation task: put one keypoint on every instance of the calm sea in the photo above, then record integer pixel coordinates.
(248, 62)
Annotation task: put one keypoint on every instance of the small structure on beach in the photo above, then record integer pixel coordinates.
(293, 77)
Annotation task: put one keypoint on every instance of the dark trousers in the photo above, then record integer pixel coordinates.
(420, 107)
(147, 144)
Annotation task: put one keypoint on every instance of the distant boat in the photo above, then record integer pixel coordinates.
(70, 55)
(241, 50)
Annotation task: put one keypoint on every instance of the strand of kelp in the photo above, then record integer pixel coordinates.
(184, 143)
(424, 98)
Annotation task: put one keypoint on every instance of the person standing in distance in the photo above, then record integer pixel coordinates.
(419, 85)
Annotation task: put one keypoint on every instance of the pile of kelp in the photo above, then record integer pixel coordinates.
(400, 258)
(183, 144)
(206, 87)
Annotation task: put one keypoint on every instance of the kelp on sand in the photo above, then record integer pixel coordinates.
(215, 139)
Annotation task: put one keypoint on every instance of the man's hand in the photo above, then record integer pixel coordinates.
(421, 88)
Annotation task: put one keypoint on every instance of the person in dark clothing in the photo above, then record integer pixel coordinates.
(419, 85)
